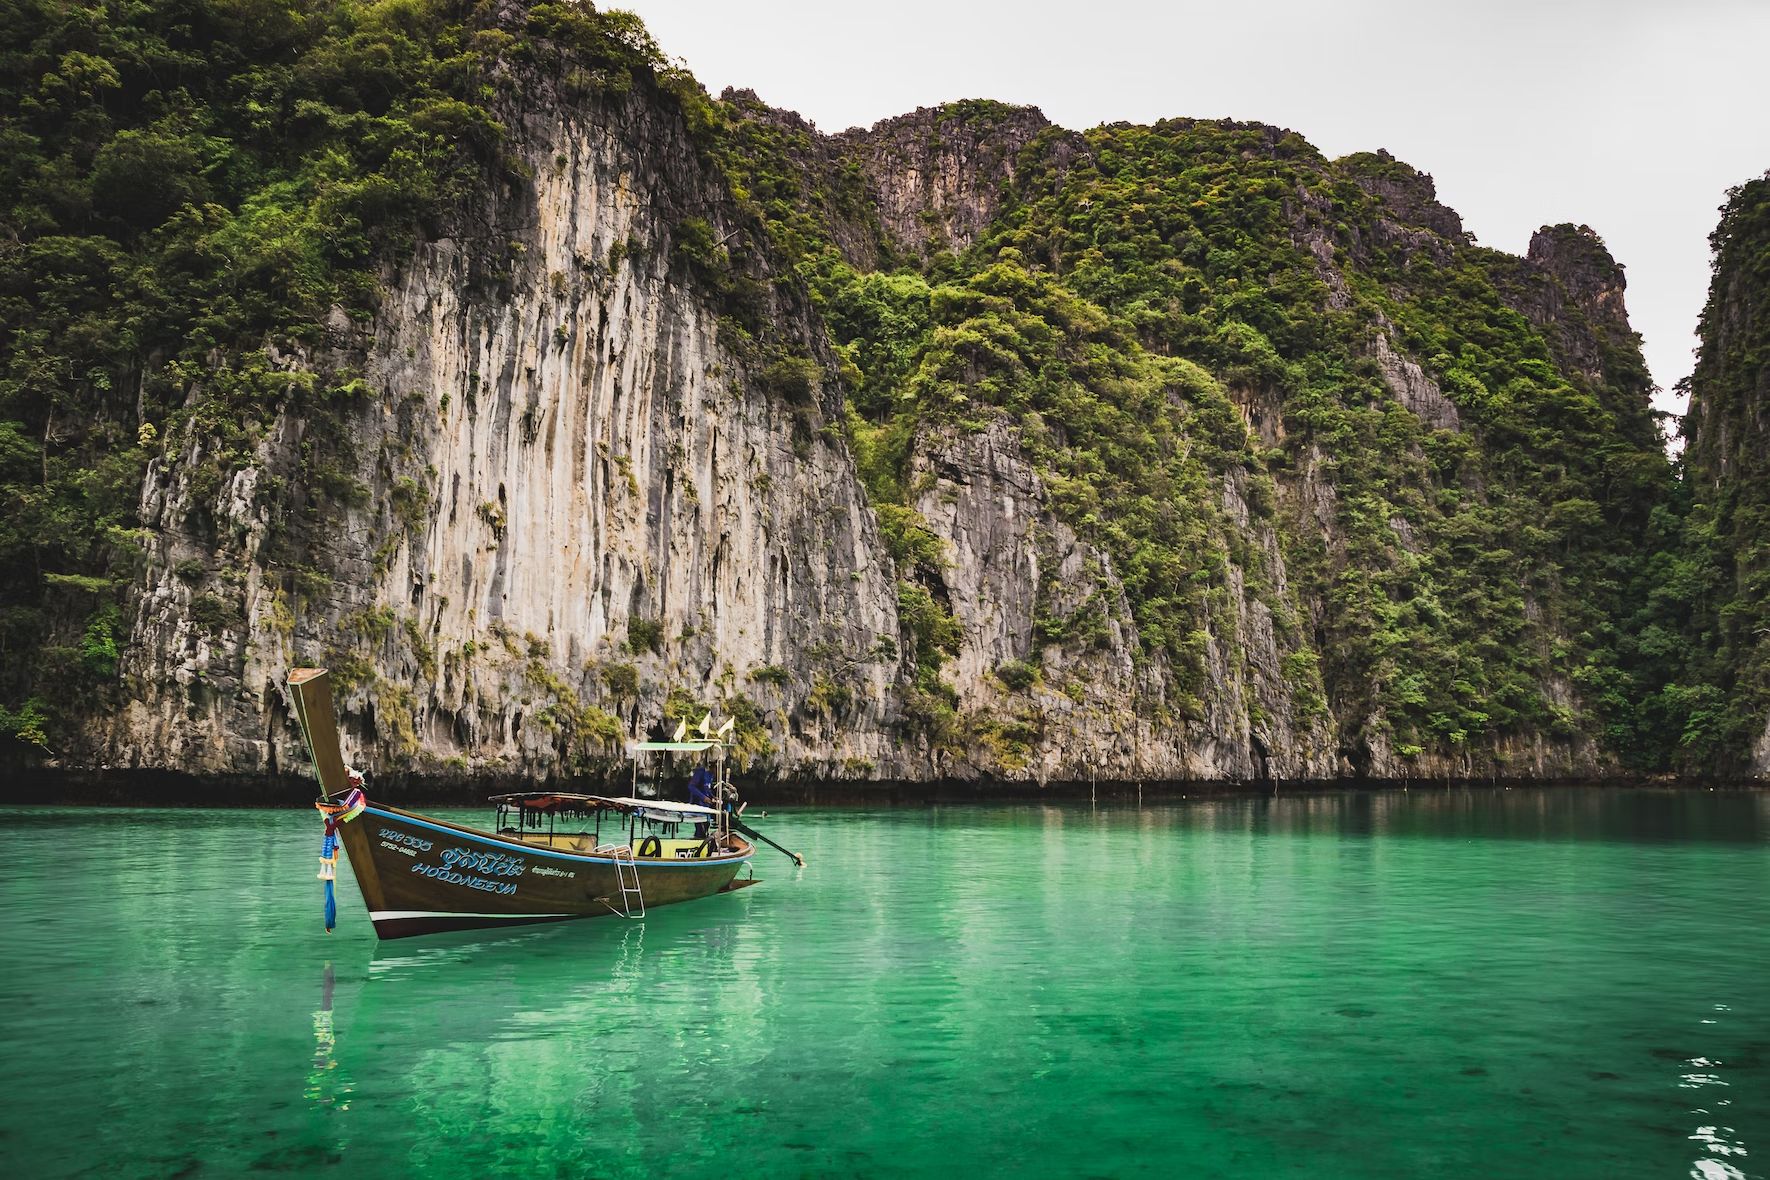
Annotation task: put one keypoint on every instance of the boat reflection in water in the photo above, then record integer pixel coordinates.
(325, 1088)
(549, 857)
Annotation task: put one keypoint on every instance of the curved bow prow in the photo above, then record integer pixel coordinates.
(311, 691)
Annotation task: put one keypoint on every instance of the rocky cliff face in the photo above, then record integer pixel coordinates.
(1570, 287)
(537, 464)
(552, 465)
(593, 467)
(1410, 201)
(1727, 457)
(937, 176)
(1106, 711)
(553, 445)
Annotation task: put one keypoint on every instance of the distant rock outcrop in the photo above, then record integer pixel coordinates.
(937, 175)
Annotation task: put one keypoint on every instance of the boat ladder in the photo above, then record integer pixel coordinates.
(627, 871)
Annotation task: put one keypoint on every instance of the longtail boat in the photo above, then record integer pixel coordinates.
(549, 856)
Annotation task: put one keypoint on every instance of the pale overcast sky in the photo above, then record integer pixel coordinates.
(1631, 116)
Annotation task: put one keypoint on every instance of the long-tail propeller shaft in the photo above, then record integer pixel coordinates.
(753, 834)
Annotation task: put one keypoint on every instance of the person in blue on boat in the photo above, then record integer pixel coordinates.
(700, 791)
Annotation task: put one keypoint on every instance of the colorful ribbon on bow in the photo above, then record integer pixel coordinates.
(341, 812)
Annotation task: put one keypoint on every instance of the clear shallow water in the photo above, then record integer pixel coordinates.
(1518, 983)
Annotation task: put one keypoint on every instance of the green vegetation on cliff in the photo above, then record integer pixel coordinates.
(1125, 296)
(188, 187)
(1710, 617)
(1192, 234)
(201, 195)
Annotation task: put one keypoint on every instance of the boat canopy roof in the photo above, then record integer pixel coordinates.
(661, 808)
(666, 810)
(676, 747)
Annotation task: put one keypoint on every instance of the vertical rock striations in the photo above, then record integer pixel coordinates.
(960, 447)
(566, 498)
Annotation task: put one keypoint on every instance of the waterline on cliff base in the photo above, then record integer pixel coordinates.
(1472, 983)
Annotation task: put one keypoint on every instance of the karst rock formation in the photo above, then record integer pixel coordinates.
(963, 448)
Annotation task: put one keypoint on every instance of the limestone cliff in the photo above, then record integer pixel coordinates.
(552, 444)
(962, 447)
(937, 176)
(549, 460)
(1727, 457)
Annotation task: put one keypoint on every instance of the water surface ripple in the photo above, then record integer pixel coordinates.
(1510, 983)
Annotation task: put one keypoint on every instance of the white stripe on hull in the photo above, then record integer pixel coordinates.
(387, 915)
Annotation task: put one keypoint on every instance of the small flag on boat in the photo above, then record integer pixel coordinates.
(730, 723)
(354, 802)
(705, 731)
(681, 728)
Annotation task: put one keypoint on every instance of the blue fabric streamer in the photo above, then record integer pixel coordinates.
(328, 869)
(353, 805)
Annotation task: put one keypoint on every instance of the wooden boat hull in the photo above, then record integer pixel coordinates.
(423, 876)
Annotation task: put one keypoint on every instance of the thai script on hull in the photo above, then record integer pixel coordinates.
(494, 864)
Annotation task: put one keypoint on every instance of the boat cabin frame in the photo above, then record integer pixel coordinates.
(574, 823)
(653, 825)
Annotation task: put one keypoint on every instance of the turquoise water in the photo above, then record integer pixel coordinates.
(1517, 984)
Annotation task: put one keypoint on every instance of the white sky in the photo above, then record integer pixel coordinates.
(1631, 116)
